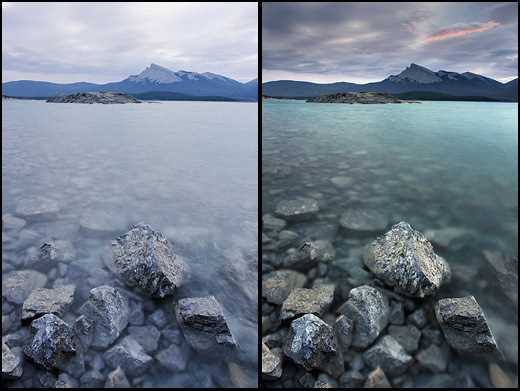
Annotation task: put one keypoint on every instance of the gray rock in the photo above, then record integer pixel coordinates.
(352, 379)
(307, 301)
(309, 254)
(445, 237)
(464, 325)
(84, 329)
(325, 381)
(396, 313)
(53, 343)
(12, 363)
(159, 318)
(271, 363)
(117, 379)
(499, 378)
(145, 258)
(146, 336)
(37, 208)
(364, 220)
(173, 358)
(12, 223)
(48, 301)
(18, 285)
(377, 379)
(407, 336)
(418, 318)
(128, 355)
(54, 251)
(92, 379)
(389, 355)
(286, 239)
(172, 335)
(271, 223)
(503, 272)
(203, 324)
(108, 310)
(431, 335)
(136, 315)
(100, 223)
(368, 308)
(433, 358)
(277, 285)
(404, 259)
(343, 327)
(47, 379)
(342, 181)
(66, 381)
(297, 210)
(94, 97)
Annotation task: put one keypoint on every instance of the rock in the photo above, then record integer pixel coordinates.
(46, 379)
(159, 318)
(108, 310)
(53, 343)
(66, 381)
(433, 358)
(146, 336)
(136, 315)
(363, 220)
(309, 254)
(503, 271)
(12, 363)
(368, 308)
(343, 327)
(499, 378)
(48, 301)
(325, 381)
(54, 251)
(145, 258)
(396, 313)
(129, 356)
(172, 335)
(464, 325)
(271, 363)
(356, 97)
(92, 379)
(277, 285)
(445, 237)
(307, 301)
(100, 223)
(312, 344)
(342, 181)
(404, 259)
(173, 358)
(352, 379)
(285, 239)
(271, 223)
(377, 379)
(241, 377)
(18, 285)
(117, 379)
(389, 355)
(94, 97)
(297, 210)
(431, 335)
(12, 223)
(407, 336)
(203, 324)
(37, 208)
(418, 318)
(84, 329)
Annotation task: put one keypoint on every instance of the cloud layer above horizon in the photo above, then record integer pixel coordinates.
(102, 42)
(365, 42)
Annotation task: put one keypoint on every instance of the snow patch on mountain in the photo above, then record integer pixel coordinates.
(156, 74)
(416, 73)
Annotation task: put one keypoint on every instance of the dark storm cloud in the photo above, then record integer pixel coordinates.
(369, 41)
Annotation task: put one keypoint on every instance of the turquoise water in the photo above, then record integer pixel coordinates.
(437, 165)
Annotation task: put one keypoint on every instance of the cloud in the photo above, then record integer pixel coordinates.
(460, 32)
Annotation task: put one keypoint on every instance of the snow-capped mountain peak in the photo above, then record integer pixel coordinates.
(416, 73)
(157, 74)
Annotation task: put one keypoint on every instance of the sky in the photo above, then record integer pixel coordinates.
(367, 42)
(106, 42)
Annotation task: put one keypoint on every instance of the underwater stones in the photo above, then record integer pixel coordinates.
(53, 343)
(277, 285)
(172, 358)
(377, 379)
(117, 379)
(48, 301)
(203, 324)
(433, 358)
(343, 327)
(12, 223)
(307, 301)
(12, 363)
(300, 209)
(146, 336)
(363, 220)
(100, 223)
(503, 271)
(405, 260)
(37, 208)
(342, 181)
(309, 254)
(368, 308)
(271, 223)
(145, 258)
(55, 251)
(271, 363)
(464, 325)
(499, 378)
(389, 355)
(18, 285)
(66, 381)
(92, 379)
(407, 336)
(129, 356)
(108, 310)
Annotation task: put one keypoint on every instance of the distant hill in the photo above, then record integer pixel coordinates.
(414, 78)
(428, 95)
(166, 95)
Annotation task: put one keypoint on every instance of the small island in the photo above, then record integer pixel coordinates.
(94, 97)
(357, 97)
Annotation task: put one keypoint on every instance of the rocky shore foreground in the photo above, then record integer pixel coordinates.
(95, 97)
(357, 97)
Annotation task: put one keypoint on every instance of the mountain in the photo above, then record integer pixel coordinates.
(413, 78)
(153, 78)
(167, 95)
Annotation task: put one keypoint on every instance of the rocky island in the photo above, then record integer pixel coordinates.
(357, 97)
(94, 97)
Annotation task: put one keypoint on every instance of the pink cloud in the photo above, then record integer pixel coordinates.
(459, 32)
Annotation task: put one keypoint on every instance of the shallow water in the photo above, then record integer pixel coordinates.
(436, 165)
(189, 169)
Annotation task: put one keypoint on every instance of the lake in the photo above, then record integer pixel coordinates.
(447, 168)
(189, 169)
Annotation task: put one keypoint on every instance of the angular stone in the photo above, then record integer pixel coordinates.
(405, 260)
(117, 379)
(146, 336)
(407, 336)
(66, 381)
(389, 355)
(173, 358)
(309, 254)
(48, 301)
(352, 379)
(343, 327)
(377, 379)
(396, 313)
(464, 325)
(297, 210)
(277, 285)
(53, 343)
(368, 308)
(325, 381)
(503, 271)
(271, 363)
(18, 285)
(92, 379)
(433, 358)
(159, 318)
(203, 324)
(84, 329)
(108, 310)
(128, 355)
(145, 259)
(418, 318)
(364, 220)
(54, 251)
(307, 301)
(12, 363)
(37, 208)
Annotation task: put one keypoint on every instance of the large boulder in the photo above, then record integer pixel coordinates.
(18, 285)
(404, 259)
(48, 301)
(145, 258)
(277, 285)
(53, 344)
(368, 308)
(464, 325)
(297, 210)
(129, 356)
(307, 301)
(389, 356)
(203, 324)
(108, 310)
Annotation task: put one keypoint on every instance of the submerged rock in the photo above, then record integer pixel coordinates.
(203, 324)
(433, 358)
(108, 310)
(343, 327)
(377, 379)
(271, 363)
(271, 223)
(309, 254)
(48, 301)
(12, 363)
(173, 358)
(307, 301)
(503, 271)
(18, 285)
(117, 379)
(464, 325)
(277, 285)
(364, 220)
(145, 258)
(66, 381)
(55, 251)
(12, 223)
(368, 308)
(499, 378)
(101, 223)
(389, 355)
(297, 210)
(129, 356)
(146, 336)
(37, 208)
(405, 260)
(407, 336)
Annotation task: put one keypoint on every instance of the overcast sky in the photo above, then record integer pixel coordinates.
(104, 42)
(365, 42)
